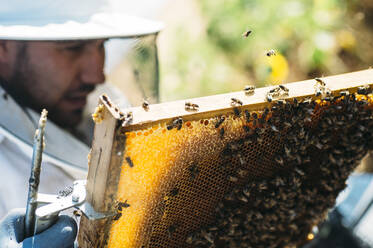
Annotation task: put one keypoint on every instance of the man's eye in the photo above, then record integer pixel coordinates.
(75, 48)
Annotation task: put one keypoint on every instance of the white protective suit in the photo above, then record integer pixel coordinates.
(64, 157)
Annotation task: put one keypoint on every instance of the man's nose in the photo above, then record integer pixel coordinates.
(92, 67)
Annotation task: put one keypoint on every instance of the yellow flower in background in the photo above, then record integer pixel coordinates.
(279, 68)
(346, 39)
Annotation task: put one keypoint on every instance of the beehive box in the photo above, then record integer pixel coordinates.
(238, 171)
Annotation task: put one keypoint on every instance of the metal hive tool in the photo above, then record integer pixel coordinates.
(238, 171)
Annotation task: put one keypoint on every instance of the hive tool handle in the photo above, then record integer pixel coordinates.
(42, 210)
(35, 176)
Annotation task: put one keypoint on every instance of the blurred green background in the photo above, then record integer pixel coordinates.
(202, 50)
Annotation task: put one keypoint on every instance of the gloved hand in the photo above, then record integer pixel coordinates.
(60, 235)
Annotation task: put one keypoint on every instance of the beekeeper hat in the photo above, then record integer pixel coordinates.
(68, 20)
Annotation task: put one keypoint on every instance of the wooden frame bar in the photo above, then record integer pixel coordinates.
(221, 103)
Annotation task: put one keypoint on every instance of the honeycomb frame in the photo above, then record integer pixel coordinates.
(109, 156)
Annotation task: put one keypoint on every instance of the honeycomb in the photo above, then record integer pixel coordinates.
(246, 178)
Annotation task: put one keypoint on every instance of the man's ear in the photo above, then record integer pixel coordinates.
(3, 50)
(7, 56)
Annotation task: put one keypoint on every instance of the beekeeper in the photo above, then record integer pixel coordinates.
(51, 56)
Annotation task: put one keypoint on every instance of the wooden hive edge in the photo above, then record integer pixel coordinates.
(103, 174)
(221, 104)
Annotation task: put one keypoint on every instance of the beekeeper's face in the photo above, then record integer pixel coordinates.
(54, 75)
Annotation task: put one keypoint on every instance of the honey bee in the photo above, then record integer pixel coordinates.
(344, 93)
(190, 238)
(364, 90)
(178, 123)
(221, 132)
(126, 118)
(279, 91)
(235, 102)
(236, 112)
(232, 179)
(283, 88)
(242, 173)
(193, 171)
(145, 105)
(246, 33)
(219, 122)
(129, 161)
(191, 106)
(249, 89)
(247, 115)
(318, 92)
(321, 89)
(271, 53)
(269, 97)
(123, 205)
(320, 81)
(241, 159)
(117, 216)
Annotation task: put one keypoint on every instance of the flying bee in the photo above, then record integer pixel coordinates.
(249, 89)
(235, 102)
(246, 33)
(271, 53)
(191, 106)
(145, 105)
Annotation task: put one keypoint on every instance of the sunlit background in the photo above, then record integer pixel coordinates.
(202, 50)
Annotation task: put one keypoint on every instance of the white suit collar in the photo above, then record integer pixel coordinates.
(62, 149)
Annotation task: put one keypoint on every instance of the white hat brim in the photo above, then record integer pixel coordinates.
(98, 26)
